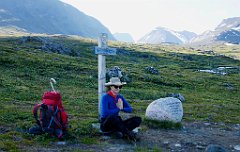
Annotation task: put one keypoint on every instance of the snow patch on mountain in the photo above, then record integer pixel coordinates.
(165, 35)
(227, 31)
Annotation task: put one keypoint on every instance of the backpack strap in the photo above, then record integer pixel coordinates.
(63, 119)
(51, 110)
(53, 117)
(35, 113)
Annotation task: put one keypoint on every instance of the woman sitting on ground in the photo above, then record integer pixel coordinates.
(111, 104)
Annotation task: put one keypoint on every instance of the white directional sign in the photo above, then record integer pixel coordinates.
(105, 51)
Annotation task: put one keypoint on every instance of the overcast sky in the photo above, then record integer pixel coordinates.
(138, 17)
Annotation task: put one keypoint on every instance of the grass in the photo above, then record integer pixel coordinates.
(148, 149)
(155, 124)
(26, 70)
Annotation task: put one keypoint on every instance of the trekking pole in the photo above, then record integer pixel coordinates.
(52, 80)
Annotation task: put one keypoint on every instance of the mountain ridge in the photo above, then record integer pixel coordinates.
(165, 35)
(228, 31)
(51, 17)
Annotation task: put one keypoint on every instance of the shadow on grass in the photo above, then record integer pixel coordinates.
(155, 124)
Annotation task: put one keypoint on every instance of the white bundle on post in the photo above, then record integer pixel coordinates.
(52, 80)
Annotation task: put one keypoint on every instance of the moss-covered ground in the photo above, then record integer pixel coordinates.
(25, 71)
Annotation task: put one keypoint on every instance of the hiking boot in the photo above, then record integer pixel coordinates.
(131, 136)
(59, 134)
(36, 130)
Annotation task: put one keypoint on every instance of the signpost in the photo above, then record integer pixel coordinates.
(102, 50)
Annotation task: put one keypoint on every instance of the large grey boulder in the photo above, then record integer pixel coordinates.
(165, 109)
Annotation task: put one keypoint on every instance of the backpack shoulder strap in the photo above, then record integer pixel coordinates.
(56, 116)
(63, 119)
(35, 112)
(52, 113)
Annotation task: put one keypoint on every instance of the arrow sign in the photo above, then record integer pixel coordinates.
(105, 51)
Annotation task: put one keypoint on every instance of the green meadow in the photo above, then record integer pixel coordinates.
(25, 71)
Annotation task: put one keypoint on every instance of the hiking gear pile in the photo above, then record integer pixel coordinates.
(53, 118)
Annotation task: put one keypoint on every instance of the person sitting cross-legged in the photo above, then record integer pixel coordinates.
(111, 104)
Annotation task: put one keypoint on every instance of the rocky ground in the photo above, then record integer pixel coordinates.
(193, 137)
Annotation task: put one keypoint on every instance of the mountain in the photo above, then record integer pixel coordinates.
(50, 17)
(188, 35)
(227, 31)
(123, 37)
(165, 35)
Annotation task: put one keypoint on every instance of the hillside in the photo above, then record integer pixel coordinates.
(26, 67)
(49, 17)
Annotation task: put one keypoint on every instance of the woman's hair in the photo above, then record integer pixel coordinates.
(108, 88)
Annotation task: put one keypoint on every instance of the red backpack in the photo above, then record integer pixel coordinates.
(52, 119)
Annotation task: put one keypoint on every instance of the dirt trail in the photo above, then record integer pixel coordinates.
(193, 137)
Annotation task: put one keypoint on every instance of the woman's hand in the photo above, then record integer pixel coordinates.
(120, 104)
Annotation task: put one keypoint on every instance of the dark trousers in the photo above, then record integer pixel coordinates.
(115, 123)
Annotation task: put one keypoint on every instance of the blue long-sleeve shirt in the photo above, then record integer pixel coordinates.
(108, 105)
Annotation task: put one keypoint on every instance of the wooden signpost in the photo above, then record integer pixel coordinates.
(102, 50)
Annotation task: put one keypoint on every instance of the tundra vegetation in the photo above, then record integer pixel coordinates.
(25, 70)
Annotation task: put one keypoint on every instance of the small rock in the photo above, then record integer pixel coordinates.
(136, 130)
(61, 143)
(190, 144)
(165, 142)
(237, 127)
(174, 146)
(177, 95)
(237, 147)
(151, 70)
(199, 147)
(177, 145)
(96, 125)
(207, 124)
(105, 137)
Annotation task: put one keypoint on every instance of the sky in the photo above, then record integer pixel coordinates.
(139, 17)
